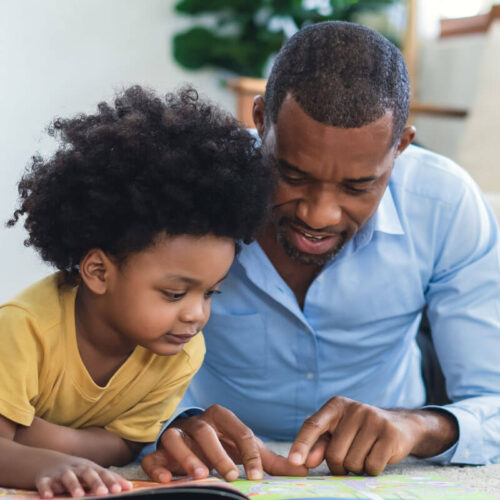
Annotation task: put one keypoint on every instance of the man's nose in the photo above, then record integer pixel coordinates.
(320, 209)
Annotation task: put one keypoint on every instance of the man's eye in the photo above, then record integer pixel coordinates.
(211, 293)
(292, 180)
(355, 191)
(173, 296)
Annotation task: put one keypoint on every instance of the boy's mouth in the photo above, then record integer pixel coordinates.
(182, 338)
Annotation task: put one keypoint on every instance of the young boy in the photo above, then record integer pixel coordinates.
(139, 209)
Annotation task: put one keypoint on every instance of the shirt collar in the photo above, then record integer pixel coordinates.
(386, 217)
(385, 220)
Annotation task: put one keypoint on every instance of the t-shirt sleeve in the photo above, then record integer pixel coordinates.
(143, 421)
(19, 360)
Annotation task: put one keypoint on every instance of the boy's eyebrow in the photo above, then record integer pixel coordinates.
(191, 281)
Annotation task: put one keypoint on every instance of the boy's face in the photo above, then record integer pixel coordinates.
(160, 297)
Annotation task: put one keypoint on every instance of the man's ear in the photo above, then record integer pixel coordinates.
(406, 139)
(95, 269)
(258, 111)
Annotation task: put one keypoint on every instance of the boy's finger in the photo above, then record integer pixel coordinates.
(43, 485)
(93, 481)
(72, 484)
(111, 481)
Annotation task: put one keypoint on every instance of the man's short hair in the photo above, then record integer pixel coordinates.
(341, 74)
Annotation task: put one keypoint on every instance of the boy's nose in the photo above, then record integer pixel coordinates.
(194, 313)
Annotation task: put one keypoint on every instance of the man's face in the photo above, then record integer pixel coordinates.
(331, 180)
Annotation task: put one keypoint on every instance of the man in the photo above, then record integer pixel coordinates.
(314, 337)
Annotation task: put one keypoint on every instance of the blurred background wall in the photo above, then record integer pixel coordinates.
(62, 57)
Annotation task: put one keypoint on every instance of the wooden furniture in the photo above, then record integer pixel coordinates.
(247, 88)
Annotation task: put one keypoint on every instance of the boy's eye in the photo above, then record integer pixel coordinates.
(210, 293)
(173, 295)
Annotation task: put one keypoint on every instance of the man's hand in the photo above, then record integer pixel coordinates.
(358, 438)
(215, 439)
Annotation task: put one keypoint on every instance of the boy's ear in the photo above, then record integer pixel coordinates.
(95, 269)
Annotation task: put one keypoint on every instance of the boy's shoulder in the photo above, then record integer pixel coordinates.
(42, 302)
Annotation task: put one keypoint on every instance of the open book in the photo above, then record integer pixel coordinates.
(283, 488)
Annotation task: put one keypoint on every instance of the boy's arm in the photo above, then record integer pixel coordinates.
(49, 471)
(93, 443)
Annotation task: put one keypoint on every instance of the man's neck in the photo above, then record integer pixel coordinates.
(296, 275)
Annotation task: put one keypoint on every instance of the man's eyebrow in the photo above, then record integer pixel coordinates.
(360, 180)
(285, 164)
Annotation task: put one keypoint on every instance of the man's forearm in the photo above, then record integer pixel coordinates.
(437, 431)
(93, 443)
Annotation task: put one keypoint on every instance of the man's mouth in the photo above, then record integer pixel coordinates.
(313, 243)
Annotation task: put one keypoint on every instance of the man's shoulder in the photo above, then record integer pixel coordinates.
(425, 174)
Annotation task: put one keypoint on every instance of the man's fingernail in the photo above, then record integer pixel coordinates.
(296, 458)
(199, 472)
(232, 475)
(163, 478)
(255, 474)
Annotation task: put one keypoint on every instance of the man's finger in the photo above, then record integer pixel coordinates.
(276, 465)
(378, 458)
(155, 465)
(245, 441)
(313, 427)
(205, 436)
(359, 450)
(180, 452)
(317, 453)
(231, 428)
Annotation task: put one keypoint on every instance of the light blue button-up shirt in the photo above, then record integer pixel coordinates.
(434, 241)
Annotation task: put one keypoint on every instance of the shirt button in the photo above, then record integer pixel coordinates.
(310, 376)
(320, 278)
(467, 453)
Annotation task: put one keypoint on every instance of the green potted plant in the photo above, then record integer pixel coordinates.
(241, 36)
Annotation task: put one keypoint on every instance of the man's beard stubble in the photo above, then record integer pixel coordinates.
(306, 258)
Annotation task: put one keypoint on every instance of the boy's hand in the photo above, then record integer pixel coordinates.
(215, 439)
(77, 476)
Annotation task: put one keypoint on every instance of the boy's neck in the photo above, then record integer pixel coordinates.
(102, 349)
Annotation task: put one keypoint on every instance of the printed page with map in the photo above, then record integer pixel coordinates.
(388, 487)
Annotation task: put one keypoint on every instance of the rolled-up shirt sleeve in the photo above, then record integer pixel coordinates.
(464, 312)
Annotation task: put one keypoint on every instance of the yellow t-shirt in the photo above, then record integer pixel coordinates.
(42, 373)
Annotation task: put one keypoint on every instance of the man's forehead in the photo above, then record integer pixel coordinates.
(306, 144)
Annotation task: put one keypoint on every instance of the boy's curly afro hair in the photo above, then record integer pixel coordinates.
(139, 168)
